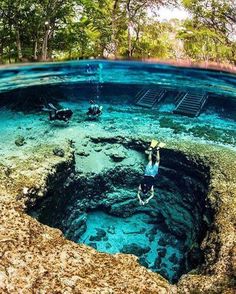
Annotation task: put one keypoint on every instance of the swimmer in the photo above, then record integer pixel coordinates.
(58, 114)
(94, 110)
(146, 187)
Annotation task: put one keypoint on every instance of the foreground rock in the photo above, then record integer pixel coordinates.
(38, 259)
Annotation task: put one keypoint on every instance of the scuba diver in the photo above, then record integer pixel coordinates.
(58, 114)
(146, 187)
(94, 110)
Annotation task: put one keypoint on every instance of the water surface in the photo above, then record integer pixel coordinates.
(126, 72)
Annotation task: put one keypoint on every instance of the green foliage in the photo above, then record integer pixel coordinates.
(66, 29)
(209, 35)
(202, 43)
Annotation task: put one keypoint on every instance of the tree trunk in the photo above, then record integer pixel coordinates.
(18, 45)
(9, 55)
(1, 51)
(113, 25)
(129, 41)
(129, 29)
(35, 50)
(45, 45)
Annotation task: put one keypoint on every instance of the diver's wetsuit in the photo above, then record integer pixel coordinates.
(62, 114)
(94, 109)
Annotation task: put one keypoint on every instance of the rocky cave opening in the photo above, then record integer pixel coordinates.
(102, 211)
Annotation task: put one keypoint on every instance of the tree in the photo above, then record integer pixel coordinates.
(49, 29)
(213, 27)
(137, 10)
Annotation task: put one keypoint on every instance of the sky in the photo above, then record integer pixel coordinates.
(169, 13)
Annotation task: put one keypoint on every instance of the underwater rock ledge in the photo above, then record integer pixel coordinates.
(35, 257)
(175, 221)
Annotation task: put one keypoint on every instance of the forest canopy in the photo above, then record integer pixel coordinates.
(41, 30)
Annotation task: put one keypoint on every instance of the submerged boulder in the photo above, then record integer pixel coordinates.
(20, 141)
(162, 241)
(124, 209)
(173, 258)
(117, 153)
(100, 235)
(162, 252)
(164, 273)
(82, 153)
(135, 249)
(143, 262)
(92, 244)
(58, 152)
(117, 157)
(77, 227)
(108, 245)
(157, 262)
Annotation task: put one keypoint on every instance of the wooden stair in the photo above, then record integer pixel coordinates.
(191, 103)
(149, 97)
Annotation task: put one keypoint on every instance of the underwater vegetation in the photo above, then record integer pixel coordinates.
(166, 122)
(214, 134)
(206, 132)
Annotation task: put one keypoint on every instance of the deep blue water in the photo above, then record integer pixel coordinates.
(102, 72)
(135, 235)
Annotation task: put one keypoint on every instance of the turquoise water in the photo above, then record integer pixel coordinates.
(25, 89)
(135, 235)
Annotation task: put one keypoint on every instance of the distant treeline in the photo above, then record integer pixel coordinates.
(41, 30)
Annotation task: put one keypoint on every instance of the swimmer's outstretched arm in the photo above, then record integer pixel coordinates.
(138, 194)
(151, 196)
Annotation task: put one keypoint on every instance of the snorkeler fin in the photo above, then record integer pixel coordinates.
(52, 106)
(44, 108)
(161, 145)
(154, 144)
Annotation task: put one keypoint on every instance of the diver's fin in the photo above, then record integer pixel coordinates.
(44, 108)
(52, 106)
(161, 144)
(154, 143)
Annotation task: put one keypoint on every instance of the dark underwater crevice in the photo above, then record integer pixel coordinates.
(179, 212)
